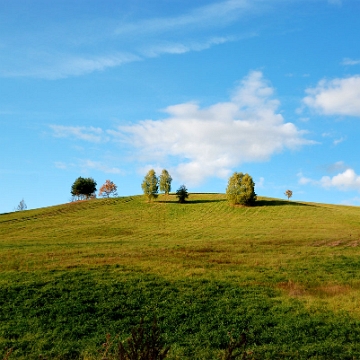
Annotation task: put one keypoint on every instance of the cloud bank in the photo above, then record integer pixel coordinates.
(346, 180)
(198, 143)
(335, 97)
(212, 141)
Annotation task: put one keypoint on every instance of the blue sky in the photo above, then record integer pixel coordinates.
(110, 89)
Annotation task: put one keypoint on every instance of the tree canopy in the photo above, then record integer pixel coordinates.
(107, 189)
(182, 193)
(165, 182)
(22, 206)
(240, 189)
(288, 194)
(150, 185)
(83, 188)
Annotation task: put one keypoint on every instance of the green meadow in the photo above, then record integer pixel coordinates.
(287, 274)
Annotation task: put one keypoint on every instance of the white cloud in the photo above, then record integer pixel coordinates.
(69, 54)
(85, 164)
(212, 141)
(352, 202)
(167, 47)
(97, 165)
(55, 66)
(91, 134)
(350, 62)
(60, 165)
(260, 183)
(338, 141)
(304, 180)
(345, 181)
(215, 14)
(336, 167)
(335, 2)
(335, 97)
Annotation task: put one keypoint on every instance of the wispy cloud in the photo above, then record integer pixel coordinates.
(335, 2)
(212, 15)
(335, 97)
(61, 66)
(86, 164)
(339, 141)
(336, 167)
(99, 166)
(167, 47)
(350, 62)
(91, 134)
(108, 46)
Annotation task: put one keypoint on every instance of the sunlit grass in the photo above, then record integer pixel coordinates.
(305, 252)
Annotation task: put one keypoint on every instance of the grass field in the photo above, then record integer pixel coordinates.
(285, 273)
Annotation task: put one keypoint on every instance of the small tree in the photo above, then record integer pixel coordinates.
(182, 193)
(288, 193)
(109, 188)
(83, 188)
(240, 189)
(150, 185)
(165, 182)
(22, 206)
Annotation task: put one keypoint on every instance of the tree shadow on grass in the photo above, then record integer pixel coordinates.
(279, 203)
(189, 201)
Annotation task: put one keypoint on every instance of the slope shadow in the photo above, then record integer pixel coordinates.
(189, 201)
(279, 203)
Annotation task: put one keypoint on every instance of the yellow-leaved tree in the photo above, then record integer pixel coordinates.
(240, 189)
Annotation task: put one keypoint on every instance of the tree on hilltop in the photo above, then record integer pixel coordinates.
(240, 189)
(22, 206)
(107, 189)
(83, 188)
(182, 193)
(165, 182)
(288, 193)
(150, 185)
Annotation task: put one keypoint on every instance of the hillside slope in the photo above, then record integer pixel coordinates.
(301, 258)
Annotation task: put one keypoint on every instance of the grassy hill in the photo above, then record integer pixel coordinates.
(285, 273)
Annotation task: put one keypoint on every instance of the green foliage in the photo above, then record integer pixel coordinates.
(236, 348)
(83, 188)
(165, 182)
(150, 185)
(182, 194)
(240, 189)
(144, 343)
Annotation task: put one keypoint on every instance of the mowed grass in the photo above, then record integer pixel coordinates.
(285, 273)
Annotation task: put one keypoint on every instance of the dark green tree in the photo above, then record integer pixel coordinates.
(182, 193)
(240, 189)
(150, 185)
(165, 182)
(83, 188)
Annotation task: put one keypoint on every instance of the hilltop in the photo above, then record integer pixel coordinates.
(285, 272)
